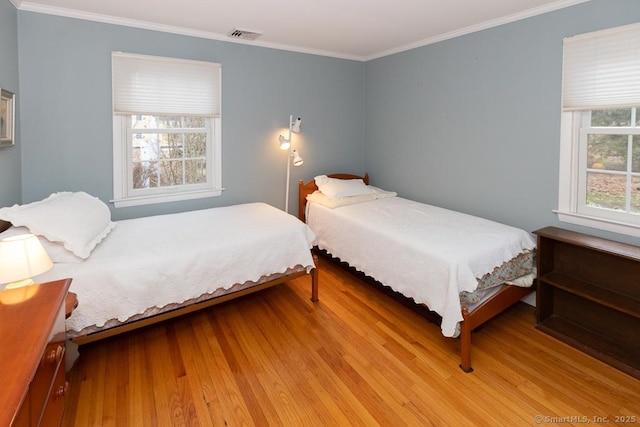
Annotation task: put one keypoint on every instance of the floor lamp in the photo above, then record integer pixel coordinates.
(293, 155)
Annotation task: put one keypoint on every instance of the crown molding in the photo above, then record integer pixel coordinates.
(114, 20)
(560, 4)
(107, 19)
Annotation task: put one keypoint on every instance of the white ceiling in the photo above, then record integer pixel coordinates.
(352, 29)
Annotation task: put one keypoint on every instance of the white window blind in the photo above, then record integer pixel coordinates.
(602, 69)
(153, 85)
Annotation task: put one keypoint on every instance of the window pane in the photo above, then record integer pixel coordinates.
(607, 152)
(195, 145)
(145, 175)
(143, 122)
(167, 122)
(145, 147)
(195, 171)
(613, 117)
(172, 146)
(635, 161)
(606, 191)
(194, 122)
(171, 173)
(635, 194)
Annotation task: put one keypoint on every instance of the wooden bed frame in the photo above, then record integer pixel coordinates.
(496, 304)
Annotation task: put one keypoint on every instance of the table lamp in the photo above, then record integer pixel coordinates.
(21, 258)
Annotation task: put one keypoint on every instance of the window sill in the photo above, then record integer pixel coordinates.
(599, 223)
(164, 198)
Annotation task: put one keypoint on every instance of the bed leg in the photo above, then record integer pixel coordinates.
(314, 280)
(465, 342)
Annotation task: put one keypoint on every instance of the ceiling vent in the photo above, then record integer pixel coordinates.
(239, 33)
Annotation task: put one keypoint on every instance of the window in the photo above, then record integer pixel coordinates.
(600, 131)
(166, 121)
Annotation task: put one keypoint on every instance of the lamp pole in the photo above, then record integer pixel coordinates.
(286, 199)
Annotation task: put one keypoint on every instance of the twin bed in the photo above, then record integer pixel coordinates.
(466, 269)
(132, 273)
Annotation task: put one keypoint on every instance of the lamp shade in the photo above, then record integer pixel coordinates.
(295, 125)
(284, 143)
(22, 257)
(297, 160)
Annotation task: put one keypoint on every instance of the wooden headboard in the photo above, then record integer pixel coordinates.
(305, 189)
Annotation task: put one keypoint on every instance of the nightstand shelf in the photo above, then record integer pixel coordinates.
(597, 345)
(588, 295)
(593, 292)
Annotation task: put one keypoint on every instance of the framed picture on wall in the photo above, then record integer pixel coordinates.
(7, 118)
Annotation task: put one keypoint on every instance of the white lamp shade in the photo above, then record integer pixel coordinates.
(295, 125)
(22, 257)
(297, 160)
(284, 143)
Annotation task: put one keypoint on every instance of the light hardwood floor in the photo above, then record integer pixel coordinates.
(356, 357)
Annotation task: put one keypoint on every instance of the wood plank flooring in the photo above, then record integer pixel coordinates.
(356, 357)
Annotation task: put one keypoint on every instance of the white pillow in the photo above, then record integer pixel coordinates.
(377, 193)
(77, 220)
(56, 251)
(319, 198)
(335, 188)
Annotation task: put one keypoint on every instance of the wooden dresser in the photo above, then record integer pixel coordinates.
(32, 350)
(588, 295)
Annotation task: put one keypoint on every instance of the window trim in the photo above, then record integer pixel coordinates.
(122, 168)
(568, 195)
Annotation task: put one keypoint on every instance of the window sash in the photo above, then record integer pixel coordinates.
(569, 194)
(601, 69)
(152, 85)
(625, 216)
(122, 197)
(138, 192)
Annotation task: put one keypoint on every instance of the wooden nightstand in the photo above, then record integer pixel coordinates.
(32, 353)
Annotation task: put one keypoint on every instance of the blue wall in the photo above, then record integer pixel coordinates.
(10, 175)
(65, 81)
(470, 123)
(473, 123)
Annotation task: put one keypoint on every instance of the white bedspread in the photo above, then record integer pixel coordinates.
(424, 252)
(155, 261)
